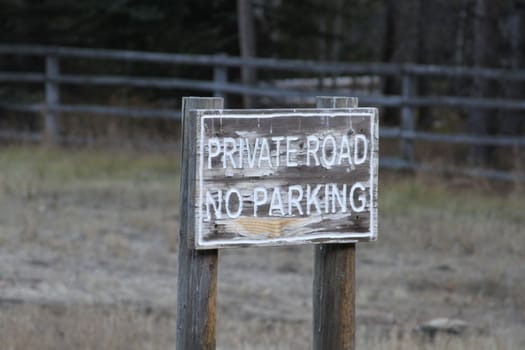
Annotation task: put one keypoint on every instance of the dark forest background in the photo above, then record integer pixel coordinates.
(461, 32)
(472, 33)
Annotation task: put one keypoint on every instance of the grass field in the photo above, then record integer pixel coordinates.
(88, 260)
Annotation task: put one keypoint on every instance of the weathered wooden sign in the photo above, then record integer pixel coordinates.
(272, 177)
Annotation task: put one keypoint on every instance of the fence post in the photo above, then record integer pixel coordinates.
(407, 119)
(220, 78)
(197, 279)
(334, 279)
(52, 99)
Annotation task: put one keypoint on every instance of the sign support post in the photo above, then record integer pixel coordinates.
(334, 279)
(270, 177)
(197, 278)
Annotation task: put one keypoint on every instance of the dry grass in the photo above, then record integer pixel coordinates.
(396, 341)
(120, 327)
(87, 261)
(83, 327)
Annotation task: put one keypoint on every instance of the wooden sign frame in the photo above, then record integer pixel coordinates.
(297, 158)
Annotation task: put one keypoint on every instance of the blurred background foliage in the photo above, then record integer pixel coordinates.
(423, 31)
(471, 33)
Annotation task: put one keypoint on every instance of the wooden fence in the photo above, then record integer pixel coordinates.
(221, 84)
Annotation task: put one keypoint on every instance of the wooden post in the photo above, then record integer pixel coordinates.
(52, 99)
(197, 279)
(334, 279)
(407, 119)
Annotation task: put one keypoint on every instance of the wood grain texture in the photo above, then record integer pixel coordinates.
(334, 297)
(329, 191)
(334, 280)
(197, 278)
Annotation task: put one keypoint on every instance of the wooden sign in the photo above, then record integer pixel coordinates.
(273, 177)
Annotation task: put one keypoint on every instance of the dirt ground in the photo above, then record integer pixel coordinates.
(88, 260)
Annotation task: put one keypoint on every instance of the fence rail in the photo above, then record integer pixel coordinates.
(221, 84)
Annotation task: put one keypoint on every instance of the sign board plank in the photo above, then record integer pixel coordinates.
(272, 177)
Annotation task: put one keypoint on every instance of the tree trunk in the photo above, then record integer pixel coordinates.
(389, 46)
(337, 36)
(424, 118)
(247, 45)
(337, 31)
(485, 55)
(511, 121)
(460, 45)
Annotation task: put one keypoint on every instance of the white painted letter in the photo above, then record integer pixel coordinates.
(341, 201)
(312, 149)
(236, 214)
(326, 198)
(364, 142)
(295, 200)
(361, 197)
(217, 205)
(241, 153)
(251, 157)
(265, 153)
(344, 151)
(276, 202)
(312, 198)
(328, 162)
(289, 150)
(257, 201)
(213, 144)
(229, 150)
(277, 140)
